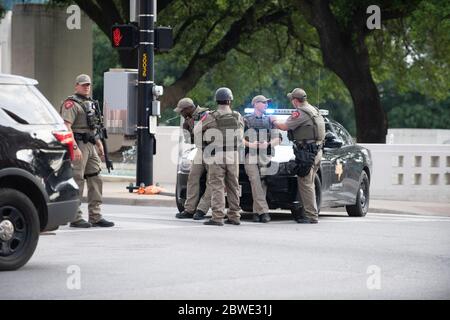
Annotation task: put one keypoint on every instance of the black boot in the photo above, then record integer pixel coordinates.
(265, 217)
(184, 215)
(233, 222)
(213, 223)
(103, 224)
(82, 224)
(307, 221)
(199, 215)
(256, 218)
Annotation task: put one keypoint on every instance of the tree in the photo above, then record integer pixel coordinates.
(2, 9)
(271, 46)
(342, 30)
(226, 26)
(105, 57)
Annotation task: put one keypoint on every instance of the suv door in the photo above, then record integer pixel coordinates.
(335, 166)
(343, 160)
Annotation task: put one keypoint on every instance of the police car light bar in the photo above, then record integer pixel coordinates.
(323, 112)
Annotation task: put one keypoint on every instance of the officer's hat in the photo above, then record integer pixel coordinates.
(260, 98)
(83, 79)
(184, 104)
(297, 93)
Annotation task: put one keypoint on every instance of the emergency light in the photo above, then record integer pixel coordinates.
(323, 112)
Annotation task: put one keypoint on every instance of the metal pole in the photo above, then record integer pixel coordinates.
(145, 140)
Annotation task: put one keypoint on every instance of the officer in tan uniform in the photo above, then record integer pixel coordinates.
(223, 133)
(192, 207)
(260, 138)
(80, 117)
(306, 129)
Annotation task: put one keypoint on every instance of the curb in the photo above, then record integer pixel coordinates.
(171, 203)
(138, 202)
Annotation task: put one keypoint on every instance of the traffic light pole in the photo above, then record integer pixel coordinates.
(145, 140)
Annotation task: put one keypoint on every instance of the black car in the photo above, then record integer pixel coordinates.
(37, 191)
(343, 179)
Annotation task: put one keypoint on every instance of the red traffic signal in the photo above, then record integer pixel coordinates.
(125, 36)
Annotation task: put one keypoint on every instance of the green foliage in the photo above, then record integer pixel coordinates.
(409, 57)
(414, 110)
(414, 52)
(105, 57)
(2, 10)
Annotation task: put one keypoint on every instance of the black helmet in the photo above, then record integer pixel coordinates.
(224, 94)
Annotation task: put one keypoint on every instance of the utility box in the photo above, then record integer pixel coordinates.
(120, 101)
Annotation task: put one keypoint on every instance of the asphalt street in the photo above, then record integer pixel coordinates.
(152, 255)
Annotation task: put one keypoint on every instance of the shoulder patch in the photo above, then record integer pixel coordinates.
(203, 118)
(295, 114)
(69, 104)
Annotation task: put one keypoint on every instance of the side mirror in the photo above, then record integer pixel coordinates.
(332, 142)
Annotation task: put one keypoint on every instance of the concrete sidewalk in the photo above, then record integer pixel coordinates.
(115, 192)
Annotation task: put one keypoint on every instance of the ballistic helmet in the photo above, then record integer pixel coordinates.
(224, 94)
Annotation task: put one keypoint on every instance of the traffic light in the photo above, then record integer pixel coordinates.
(163, 39)
(125, 36)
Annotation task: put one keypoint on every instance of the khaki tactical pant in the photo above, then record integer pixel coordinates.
(259, 187)
(308, 192)
(221, 175)
(90, 164)
(193, 187)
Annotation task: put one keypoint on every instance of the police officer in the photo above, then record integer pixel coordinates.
(192, 207)
(260, 138)
(223, 133)
(307, 131)
(81, 115)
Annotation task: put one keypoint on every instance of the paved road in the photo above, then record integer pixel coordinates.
(151, 255)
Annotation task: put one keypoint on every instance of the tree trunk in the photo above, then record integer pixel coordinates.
(345, 53)
(371, 122)
(353, 67)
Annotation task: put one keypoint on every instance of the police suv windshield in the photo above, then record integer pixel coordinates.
(26, 105)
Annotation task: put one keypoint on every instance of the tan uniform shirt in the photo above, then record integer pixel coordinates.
(73, 113)
(209, 122)
(297, 119)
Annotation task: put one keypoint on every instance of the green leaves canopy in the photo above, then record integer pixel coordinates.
(274, 49)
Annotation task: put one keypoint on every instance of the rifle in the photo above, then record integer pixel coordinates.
(103, 135)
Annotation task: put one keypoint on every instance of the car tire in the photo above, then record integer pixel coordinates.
(299, 212)
(361, 207)
(17, 248)
(179, 201)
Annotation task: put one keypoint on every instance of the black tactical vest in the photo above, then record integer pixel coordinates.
(228, 124)
(90, 109)
(258, 127)
(313, 129)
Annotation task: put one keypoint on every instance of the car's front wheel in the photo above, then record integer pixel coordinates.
(19, 229)
(361, 207)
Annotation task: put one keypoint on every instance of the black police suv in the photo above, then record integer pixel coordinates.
(343, 179)
(37, 191)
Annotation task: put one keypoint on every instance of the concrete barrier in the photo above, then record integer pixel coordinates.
(418, 136)
(410, 172)
(400, 172)
(164, 162)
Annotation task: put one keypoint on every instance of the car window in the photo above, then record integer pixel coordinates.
(26, 105)
(343, 134)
